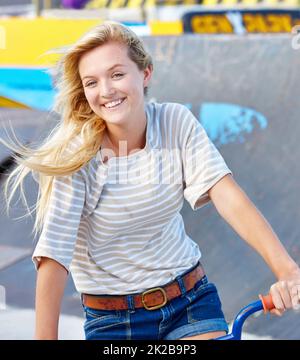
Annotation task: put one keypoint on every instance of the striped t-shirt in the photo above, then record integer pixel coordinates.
(116, 225)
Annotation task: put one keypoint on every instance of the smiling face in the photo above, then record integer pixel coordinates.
(113, 84)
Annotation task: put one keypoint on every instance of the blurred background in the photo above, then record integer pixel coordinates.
(235, 64)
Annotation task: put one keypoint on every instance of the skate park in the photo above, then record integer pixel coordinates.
(243, 91)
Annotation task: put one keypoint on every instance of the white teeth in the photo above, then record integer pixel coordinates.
(113, 103)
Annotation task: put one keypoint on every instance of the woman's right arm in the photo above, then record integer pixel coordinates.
(51, 281)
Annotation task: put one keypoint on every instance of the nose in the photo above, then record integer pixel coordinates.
(106, 90)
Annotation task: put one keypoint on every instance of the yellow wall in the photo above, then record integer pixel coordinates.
(166, 27)
(25, 40)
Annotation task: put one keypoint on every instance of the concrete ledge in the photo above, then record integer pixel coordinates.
(18, 324)
(9, 255)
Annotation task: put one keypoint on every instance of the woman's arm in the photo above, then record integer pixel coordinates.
(51, 281)
(237, 209)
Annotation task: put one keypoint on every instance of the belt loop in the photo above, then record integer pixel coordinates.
(181, 284)
(130, 302)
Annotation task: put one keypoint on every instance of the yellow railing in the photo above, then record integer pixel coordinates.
(115, 4)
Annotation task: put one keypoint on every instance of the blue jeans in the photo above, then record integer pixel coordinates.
(194, 312)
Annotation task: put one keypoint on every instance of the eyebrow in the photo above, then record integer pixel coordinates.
(111, 68)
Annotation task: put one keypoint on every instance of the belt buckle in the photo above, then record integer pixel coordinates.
(155, 306)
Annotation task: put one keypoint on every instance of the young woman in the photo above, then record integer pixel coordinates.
(112, 178)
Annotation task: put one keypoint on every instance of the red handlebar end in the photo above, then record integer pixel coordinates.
(267, 302)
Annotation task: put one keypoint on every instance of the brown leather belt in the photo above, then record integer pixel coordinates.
(151, 299)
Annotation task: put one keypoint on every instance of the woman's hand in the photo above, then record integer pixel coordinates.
(286, 292)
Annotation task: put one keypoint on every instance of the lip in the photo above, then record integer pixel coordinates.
(113, 108)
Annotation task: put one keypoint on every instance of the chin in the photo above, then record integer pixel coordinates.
(114, 119)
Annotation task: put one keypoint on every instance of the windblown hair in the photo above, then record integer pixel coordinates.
(51, 158)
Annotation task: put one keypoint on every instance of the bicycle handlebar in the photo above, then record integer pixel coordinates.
(265, 303)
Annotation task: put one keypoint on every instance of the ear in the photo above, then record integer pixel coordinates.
(148, 74)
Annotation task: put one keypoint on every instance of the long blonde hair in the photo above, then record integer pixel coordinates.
(51, 159)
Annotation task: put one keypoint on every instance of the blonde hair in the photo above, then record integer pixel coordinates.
(50, 159)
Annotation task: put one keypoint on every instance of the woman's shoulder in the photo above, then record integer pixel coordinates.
(171, 121)
(170, 114)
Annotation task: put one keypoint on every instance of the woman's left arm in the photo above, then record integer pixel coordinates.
(241, 214)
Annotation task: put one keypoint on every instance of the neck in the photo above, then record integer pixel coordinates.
(124, 141)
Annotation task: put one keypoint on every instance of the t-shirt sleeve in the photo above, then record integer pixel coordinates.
(59, 234)
(203, 165)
